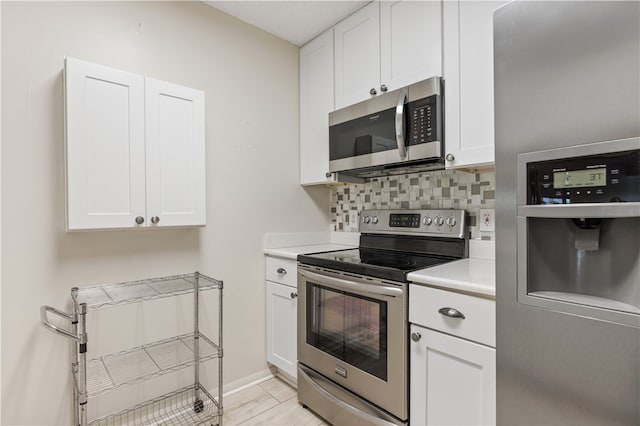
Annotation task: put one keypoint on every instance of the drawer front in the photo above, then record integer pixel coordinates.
(478, 324)
(283, 271)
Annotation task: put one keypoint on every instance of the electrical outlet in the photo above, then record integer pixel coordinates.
(487, 220)
(353, 219)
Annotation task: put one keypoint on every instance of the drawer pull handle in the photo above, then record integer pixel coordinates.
(293, 294)
(451, 312)
(282, 271)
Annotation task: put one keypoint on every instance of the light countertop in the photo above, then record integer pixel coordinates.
(293, 252)
(470, 275)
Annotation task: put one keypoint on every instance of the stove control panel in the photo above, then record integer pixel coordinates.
(437, 222)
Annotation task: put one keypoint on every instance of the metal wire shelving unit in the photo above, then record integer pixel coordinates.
(192, 405)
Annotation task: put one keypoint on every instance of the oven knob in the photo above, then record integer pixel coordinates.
(451, 221)
(427, 220)
(439, 221)
(374, 219)
(366, 219)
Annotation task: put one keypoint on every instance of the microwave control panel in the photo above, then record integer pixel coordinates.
(424, 120)
(603, 178)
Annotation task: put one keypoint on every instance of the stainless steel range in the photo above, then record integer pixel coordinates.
(352, 314)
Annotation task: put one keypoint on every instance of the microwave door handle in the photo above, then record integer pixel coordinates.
(400, 139)
(351, 285)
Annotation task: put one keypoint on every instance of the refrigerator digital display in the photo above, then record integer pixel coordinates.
(580, 178)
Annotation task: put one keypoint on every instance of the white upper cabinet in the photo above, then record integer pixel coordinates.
(316, 101)
(410, 42)
(175, 154)
(384, 46)
(357, 56)
(120, 172)
(468, 73)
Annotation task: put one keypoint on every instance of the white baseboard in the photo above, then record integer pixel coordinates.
(248, 381)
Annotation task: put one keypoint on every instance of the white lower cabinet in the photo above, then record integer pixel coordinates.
(452, 357)
(282, 308)
(452, 380)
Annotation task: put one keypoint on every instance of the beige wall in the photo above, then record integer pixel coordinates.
(251, 84)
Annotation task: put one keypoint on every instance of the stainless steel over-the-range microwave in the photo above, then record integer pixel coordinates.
(393, 133)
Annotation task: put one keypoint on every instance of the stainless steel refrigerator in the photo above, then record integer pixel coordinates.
(567, 126)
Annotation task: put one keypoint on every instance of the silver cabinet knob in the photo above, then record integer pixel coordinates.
(373, 92)
(451, 312)
(327, 175)
(450, 157)
(383, 88)
(139, 220)
(155, 220)
(281, 271)
(293, 294)
(416, 336)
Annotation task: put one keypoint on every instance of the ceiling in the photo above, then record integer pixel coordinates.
(295, 21)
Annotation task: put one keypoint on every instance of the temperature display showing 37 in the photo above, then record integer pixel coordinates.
(580, 178)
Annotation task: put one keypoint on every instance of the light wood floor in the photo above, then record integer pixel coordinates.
(272, 402)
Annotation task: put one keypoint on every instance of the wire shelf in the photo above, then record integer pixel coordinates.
(181, 407)
(125, 368)
(108, 295)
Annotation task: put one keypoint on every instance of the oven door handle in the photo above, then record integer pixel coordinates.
(351, 285)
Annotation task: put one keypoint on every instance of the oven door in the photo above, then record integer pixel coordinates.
(353, 331)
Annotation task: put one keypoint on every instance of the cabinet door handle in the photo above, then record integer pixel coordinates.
(155, 220)
(281, 271)
(383, 88)
(451, 312)
(450, 157)
(416, 336)
(293, 294)
(139, 220)
(373, 92)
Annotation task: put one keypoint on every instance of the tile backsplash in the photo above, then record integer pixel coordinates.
(447, 189)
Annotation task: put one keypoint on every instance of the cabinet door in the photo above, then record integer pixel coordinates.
(281, 327)
(357, 56)
(175, 148)
(468, 71)
(105, 171)
(453, 381)
(316, 101)
(410, 42)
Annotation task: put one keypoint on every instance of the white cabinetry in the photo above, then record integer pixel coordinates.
(384, 46)
(316, 101)
(452, 357)
(282, 298)
(468, 72)
(134, 150)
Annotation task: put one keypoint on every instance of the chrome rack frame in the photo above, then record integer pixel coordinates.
(193, 405)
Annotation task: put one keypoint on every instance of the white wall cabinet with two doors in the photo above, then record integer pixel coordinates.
(135, 150)
(384, 46)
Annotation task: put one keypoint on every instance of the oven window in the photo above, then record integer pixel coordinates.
(348, 326)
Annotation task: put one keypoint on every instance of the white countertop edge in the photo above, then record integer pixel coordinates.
(293, 252)
(476, 276)
(298, 239)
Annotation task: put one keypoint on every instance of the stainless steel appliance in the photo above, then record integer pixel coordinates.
(352, 314)
(568, 212)
(396, 132)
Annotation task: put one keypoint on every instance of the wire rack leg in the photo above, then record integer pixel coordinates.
(74, 362)
(82, 364)
(198, 404)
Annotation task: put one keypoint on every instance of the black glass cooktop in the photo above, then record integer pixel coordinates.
(385, 264)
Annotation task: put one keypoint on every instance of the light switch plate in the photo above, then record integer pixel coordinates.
(487, 220)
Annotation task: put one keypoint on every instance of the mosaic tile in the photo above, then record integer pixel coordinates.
(425, 190)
